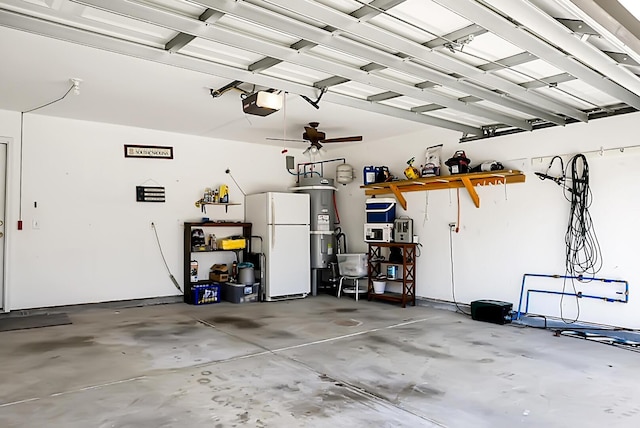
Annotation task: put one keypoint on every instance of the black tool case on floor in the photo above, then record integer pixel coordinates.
(493, 311)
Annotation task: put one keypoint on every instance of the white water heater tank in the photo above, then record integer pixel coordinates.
(344, 173)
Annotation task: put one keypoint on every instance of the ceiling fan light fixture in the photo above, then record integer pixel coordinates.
(311, 150)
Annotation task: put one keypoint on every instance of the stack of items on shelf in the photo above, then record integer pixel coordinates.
(213, 196)
(381, 213)
(200, 247)
(242, 286)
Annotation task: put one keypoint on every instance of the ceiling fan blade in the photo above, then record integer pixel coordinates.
(342, 139)
(285, 139)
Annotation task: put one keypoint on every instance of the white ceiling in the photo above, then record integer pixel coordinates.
(391, 68)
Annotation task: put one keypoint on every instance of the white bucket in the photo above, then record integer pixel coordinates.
(379, 286)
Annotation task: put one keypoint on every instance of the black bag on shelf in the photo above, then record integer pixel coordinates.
(459, 163)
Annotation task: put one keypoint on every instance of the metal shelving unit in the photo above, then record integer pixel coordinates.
(188, 251)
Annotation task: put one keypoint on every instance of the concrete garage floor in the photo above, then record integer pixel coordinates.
(318, 362)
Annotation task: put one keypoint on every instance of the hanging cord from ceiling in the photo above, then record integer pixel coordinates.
(75, 87)
(458, 46)
(284, 121)
(453, 282)
(426, 208)
(173, 279)
(583, 255)
(228, 171)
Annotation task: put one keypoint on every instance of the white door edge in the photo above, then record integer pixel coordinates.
(4, 290)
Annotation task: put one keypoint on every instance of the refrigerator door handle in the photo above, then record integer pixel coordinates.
(273, 223)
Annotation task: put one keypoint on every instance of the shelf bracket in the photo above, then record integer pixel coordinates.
(471, 190)
(398, 195)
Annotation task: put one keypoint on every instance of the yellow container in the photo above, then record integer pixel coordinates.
(232, 244)
(224, 194)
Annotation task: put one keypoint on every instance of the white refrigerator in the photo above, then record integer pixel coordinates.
(282, 220)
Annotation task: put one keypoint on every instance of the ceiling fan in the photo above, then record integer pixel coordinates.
(315, 138)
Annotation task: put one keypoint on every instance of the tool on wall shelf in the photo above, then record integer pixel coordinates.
(411, 171)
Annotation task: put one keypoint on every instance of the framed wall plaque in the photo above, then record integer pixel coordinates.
(155, 152)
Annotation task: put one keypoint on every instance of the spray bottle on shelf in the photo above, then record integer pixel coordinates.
(234, 271)
(194, 271)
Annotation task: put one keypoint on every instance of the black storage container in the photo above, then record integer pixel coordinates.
(493, 311)
(240, 293)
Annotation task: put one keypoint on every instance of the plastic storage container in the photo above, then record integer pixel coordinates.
(392, 272)
(232, 243)
(240, 293)
(352, 264)
(379, 287)
(381, 210)
(369, 175)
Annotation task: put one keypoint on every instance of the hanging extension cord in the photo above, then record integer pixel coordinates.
(75, 87)
(583, 256)
(173, 279)
(453, 282)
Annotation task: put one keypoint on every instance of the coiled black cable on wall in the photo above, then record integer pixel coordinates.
(583, 249)
(583, 257)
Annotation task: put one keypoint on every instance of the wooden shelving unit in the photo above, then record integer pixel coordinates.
(468, 181)
(407, 271)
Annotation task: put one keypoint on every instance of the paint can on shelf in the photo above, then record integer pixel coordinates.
(392, 272)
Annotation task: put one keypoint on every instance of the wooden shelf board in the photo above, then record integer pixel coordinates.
(219, 203)
(215, 224)
(468, 181)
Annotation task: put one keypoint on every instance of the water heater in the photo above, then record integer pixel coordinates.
(322, 219)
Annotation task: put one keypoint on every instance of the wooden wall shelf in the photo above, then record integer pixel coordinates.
(468, 181)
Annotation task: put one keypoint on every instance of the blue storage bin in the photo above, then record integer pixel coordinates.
(381, 210)
(203, 294)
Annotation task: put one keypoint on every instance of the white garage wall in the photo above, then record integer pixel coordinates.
(95, 244)
(94, 241)
(523, 233)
